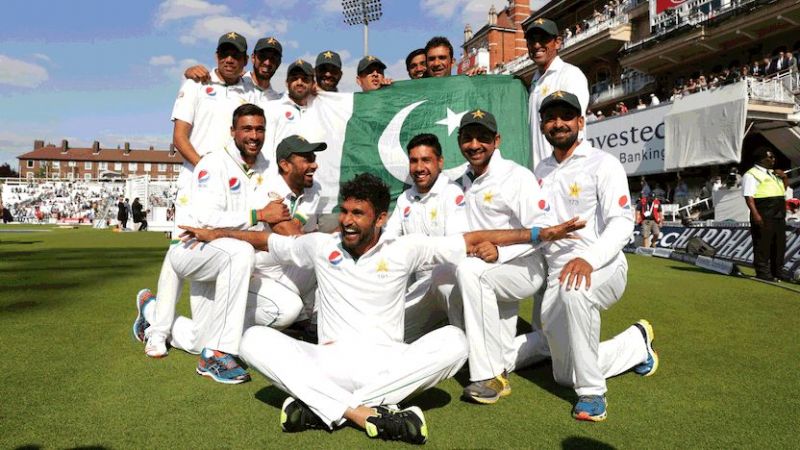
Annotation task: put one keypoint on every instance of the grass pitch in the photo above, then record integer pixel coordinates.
(74, 377)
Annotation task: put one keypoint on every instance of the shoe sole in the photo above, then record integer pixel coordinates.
(651, 336)
(156, 355)
(489, 400)
(585, 417)
(221, 380)
(284, 417)
(423, 429)
(139, 315)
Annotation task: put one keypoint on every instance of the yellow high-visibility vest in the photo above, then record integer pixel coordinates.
(768, 185)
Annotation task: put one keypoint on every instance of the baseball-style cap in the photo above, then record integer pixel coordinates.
(303, 65)
(480, 117)
(369, 61)
(235, 39)
(546, 25)
(269, 43)
(297, 144)
(329, 57)
(561, 97)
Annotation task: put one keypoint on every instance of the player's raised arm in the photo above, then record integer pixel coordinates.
(519, 236)
(258, 239)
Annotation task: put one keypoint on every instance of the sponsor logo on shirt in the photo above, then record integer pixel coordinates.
(407, 211)
(335, 258)
(624, 203)
(235, 184)
(460, 201)
(210, 91)
(202, 177)
(289, 115)
(543, 205)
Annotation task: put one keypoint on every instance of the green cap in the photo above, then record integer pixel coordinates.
(329, 57)
(297, 144)
(235, 39)
(369, 61)
(269, 43)
(479, 117)
(561, 97)
(546, 25)
(303, 65)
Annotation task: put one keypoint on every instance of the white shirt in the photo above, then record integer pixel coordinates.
(750, 184)
(506, 196)
(439, 212)
(209, 109)
(286, 118)
(559, 76)
(592, 185)
(260, 96)
(224, 192)
(363, 300)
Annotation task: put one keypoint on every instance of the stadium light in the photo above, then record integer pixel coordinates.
(362, 12)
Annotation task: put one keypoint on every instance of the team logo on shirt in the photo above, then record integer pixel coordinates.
(335, 258)
(434, 214)
(574, 190)
(382, 269)
(543, 205)
(210, 91)
(289, 115)
(460, 201)
(407, 211)
(202, 177)
(235, 184)
(487, 197)
(624, 203)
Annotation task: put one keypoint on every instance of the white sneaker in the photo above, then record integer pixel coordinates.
(156, 346)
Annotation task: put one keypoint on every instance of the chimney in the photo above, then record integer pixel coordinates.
(492, 16)
(64, 146)
(95, 147)
(127, 146)
(152, 148)
(467, 33)
(37, 144)
(171, 150)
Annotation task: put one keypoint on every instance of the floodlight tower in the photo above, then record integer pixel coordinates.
(362, 11)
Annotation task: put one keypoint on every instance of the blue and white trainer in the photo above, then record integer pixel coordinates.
(143, 298)
(591, 408)
(650, 365)
(221, 367)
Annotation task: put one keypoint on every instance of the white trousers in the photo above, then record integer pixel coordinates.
(331, 378)
(430, 303)
(220, 273)
(571, 334)
(168, 295)
(491, 294)
(278, 302)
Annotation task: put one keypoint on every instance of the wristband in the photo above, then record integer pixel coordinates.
(535, 234)
(253, 216)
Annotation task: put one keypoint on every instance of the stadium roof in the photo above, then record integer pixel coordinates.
(54, 153)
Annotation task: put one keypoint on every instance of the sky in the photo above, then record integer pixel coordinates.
(86, 70)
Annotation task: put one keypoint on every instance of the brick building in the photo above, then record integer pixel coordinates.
(50, 161)
(501, 38)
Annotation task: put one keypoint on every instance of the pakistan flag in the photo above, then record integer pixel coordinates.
(368, 132)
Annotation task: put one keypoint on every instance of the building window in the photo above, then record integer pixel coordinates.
(72, 164)
(176, 167)
(30, 164)
(87, 165)
(117, 166)
(87, 176)
(133, 167)
(162, 167)
(162, 178)
(56, 165)
(102, 165)
(70, 175)
(29, 175)
(147, 167)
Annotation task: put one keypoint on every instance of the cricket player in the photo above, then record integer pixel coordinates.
(288, 115)
(588, 274)
(361, 364)
(202, 117)
(433, 206)
(500, 194)
(228, 191)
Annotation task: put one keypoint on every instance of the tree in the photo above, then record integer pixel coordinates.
(7, 172)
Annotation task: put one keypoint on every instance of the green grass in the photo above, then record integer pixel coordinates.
(73, 376)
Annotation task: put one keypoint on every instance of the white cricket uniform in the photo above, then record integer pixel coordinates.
(506, 196)
(209, 109)
(261, 96)
(361, 358)
(592, 185)
(286, 118)
(439, 212)
(559, 76)
(225, 194)
(281, 294)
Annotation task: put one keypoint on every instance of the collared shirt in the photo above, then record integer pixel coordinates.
(225, 190)
(590, 184)
(439, 212)
(750, 184)
(286, 118)
(363, 299)
(506, 196)
(209, 109)
(559, 76)
(260, 96)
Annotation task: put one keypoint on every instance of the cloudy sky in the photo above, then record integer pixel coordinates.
(88, 70)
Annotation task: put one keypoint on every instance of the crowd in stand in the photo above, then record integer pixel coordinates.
(610, 10)
(74, 201)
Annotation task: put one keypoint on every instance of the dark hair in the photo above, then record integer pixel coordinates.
(248, 109)
(366, 186)
(414, 54)
(439, 41)
(760, 153)
(426, 139)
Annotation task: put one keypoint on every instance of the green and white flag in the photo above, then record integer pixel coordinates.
(368, 132)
